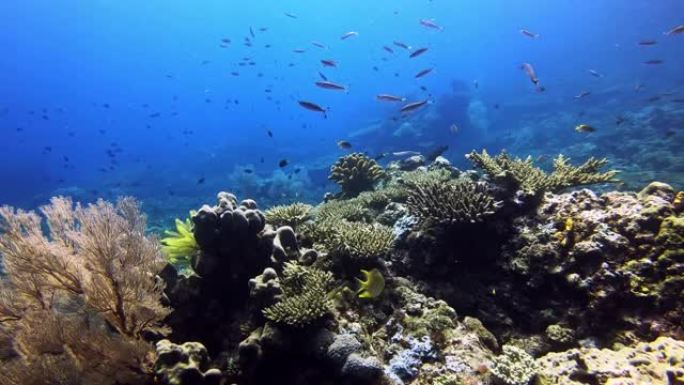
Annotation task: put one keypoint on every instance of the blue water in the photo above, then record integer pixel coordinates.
(108, 98)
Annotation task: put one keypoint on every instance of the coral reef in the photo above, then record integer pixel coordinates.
(355, 173)
(304, 297)
(523, 174)
(656, 363)
(514, 366)
(450, 203)
(291, 215)
(79, 302)
(184, 364)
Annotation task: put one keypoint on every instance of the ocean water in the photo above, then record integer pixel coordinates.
(172, 101)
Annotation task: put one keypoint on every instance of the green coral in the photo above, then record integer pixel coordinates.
(355, 173)
(305, 296)
(356, 240)
(350, 209)
(514, 366)
(180, 245)
(435, 318)
(534, 180)
(450, 203)
(291, 215)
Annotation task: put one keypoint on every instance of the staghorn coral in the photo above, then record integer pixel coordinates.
(350, 209)
(356, 173)
(533, 180)
(305, 296)
(78, 299)
(450, 203)
(291, 215)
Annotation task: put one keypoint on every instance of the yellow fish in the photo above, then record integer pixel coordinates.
(373, 284)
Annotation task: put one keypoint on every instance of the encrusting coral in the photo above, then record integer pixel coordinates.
(78, 301)
(356, 173)
(450, 203)
(534, 180)
(514, 366)
(304, 296)
(291, 215)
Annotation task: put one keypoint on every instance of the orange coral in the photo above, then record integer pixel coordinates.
(78, 298)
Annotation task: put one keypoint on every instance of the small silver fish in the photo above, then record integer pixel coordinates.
(529, 34)
(418, 52)
(430, 23)
(675, 31)
(390, 98)
(348, 35)
(405, 153)
(414, 106)
(423, 73)
(328, 85)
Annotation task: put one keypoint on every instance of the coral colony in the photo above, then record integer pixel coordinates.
(411, 274)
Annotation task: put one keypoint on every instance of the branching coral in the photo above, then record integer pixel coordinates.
(305, 296)
(360, 240)
(78, 299)
(350, 209)
(534, 180)
(291, 215)
(450, 203)
(356, 173)
(180, 245)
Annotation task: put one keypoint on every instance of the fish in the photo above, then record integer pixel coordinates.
(283, 163)
(418, 52)
(619, 120)
(402, 45)
(372, 284)
(298, 50)
(200, 180)
(297, 170)
(432, 155)
(290, 15)
(430, 23)
(263, 29)
(401, 154)
(529, 34)
(595, 73)
(390, 98)
(317, 44)
(423, 73)
(311, 106)
(647, 42)
(654, 61)
(270, 133)
(527, 67)
(410, 107)
(582, 94)
(322, 76)
(476, 84)
(348, 35)
(388, 49)
(328, 63)
(453, 128)
(343, 144)
(251, 32)
(675, 31)
(328, 85)
(584, 128)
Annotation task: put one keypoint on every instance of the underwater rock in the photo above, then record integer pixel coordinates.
(412, 163)
(264, 289)
(655, 363)
(357, 367)
(185, 364)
